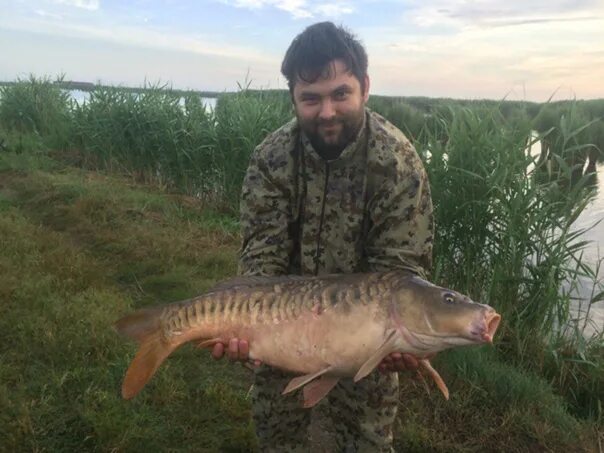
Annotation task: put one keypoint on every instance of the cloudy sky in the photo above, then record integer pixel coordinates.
(530, 49)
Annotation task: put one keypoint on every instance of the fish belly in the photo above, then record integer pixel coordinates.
(313, 342)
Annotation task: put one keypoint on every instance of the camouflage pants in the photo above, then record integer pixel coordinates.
(362, 414)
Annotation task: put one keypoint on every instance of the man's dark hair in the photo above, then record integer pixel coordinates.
(312, 50)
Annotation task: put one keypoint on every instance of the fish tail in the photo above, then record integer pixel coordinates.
(144, 326)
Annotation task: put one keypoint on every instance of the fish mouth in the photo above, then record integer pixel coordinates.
(492, 321)
(486, 328)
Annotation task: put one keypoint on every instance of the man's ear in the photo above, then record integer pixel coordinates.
(366, 93)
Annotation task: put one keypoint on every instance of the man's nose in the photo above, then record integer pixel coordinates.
(328, 110)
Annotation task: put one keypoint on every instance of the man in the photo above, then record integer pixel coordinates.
(336, 190)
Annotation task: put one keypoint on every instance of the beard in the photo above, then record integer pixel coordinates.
(330, 137)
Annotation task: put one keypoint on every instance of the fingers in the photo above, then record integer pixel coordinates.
(236, 350)
(410, 362)
(233, 351)
(244, 350)
(398, 362)
(218, 351)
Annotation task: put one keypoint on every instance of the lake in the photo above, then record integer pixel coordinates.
(590, 318)
(82, 96)
(589, 219)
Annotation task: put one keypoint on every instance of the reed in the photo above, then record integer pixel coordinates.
(506, 235)
(37, 106)
(243, 120)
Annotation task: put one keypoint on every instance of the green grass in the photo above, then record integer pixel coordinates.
(79, 249)
(493, 407)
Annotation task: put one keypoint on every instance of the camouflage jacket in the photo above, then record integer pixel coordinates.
(368, 210)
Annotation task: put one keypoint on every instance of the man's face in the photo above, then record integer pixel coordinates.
(330, 110)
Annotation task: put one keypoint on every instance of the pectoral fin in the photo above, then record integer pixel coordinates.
(208, 343)
(315, 391)
(299, 381)
(439, 380)
(386, 348)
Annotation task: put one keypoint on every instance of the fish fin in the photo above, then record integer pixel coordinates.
(299, 381)
(208, 343)
(316, 390)
(139, 324)
(373, 361)
(144, 327)
(440, 383)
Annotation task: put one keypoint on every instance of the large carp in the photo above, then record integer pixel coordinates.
(320, 328)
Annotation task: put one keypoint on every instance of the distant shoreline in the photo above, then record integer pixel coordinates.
(88, 86)
(419, 100)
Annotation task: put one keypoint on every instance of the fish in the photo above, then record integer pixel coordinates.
(319, 328)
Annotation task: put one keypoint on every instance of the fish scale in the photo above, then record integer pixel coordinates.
(231, 305)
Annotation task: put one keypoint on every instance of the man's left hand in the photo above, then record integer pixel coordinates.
(399, 362)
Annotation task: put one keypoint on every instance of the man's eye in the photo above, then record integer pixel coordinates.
(340, 95)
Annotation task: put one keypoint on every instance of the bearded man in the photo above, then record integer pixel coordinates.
(336, 190)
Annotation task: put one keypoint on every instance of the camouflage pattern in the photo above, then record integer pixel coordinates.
(361, 414)
(368, 210)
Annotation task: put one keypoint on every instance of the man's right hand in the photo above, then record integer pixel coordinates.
(236, 350)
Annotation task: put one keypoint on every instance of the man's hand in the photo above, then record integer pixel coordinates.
(236, 350)
(400, 362)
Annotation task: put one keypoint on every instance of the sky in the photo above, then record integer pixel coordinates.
(518, 50)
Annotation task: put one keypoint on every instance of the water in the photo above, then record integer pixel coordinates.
(589, 318)
(589, 219)
(83, 96)
(79, 96)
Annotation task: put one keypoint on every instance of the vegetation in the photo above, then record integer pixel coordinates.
(89, 86)
(130, 200)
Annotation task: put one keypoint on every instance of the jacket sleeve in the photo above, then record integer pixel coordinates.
(265, 211)
(401, 225)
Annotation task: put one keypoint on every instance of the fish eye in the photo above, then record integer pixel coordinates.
(449, 298)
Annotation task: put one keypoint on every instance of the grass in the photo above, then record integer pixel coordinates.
(78, 251)
(493, 407)
(80, 248)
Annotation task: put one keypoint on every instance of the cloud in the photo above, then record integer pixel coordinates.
(335, 9)
(299, 9)
(91, 5)
(468, 61)
(494, 13)
(138, 36)
(516, 22)
(43, 13)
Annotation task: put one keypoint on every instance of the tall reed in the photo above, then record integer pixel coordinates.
(37, 106)
(243, 120)
(506, 235)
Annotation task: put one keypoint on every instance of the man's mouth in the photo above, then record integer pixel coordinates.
(329, 128)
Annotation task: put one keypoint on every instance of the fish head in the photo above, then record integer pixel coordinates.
(443, 317)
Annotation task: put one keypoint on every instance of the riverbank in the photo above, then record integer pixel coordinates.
(80, 248)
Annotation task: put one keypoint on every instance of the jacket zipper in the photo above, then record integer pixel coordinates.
(317, 254)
